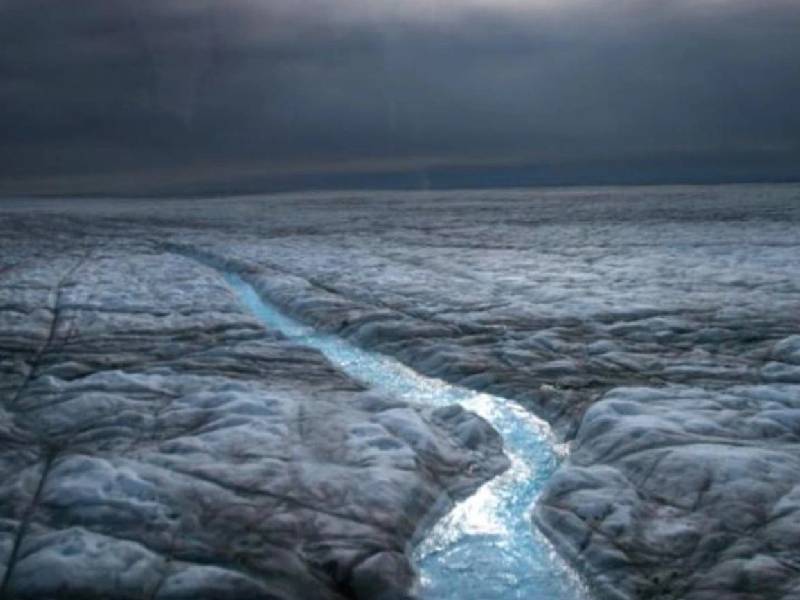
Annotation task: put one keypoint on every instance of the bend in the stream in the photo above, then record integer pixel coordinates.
(486, 547)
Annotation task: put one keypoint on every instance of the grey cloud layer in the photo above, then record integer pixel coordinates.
(116, 88)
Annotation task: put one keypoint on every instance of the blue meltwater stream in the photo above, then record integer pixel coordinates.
(486, 547)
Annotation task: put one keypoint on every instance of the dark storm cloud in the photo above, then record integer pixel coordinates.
(111, 94)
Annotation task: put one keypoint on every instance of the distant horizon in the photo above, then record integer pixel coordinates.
(233, 195)
(434, 180)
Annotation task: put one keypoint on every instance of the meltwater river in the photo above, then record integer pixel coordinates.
(486, 547)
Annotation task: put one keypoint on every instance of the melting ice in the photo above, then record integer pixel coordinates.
(486, 547)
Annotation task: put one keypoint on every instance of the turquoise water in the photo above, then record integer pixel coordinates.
(486, 547)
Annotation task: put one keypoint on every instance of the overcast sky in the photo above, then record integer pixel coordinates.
(152, 95)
